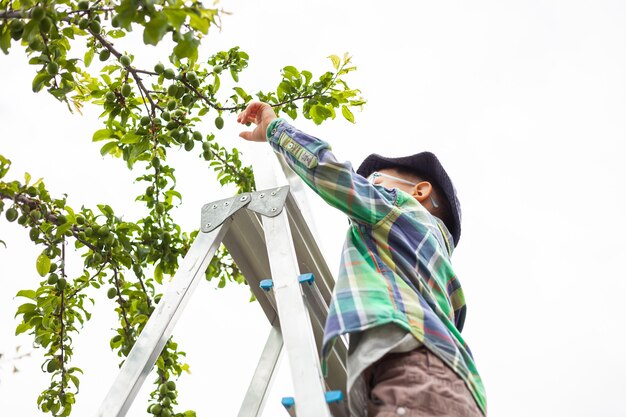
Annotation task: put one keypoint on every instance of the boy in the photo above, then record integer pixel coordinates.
(396, 294)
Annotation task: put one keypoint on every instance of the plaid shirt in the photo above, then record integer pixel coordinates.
(395, 266)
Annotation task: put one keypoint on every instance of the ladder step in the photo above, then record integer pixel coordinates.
(288, 402)
(306, 278)
(266, 284)
(334, 396)
(331, 397)
(290, 405)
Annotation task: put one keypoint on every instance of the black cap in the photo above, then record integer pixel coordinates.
(424, 164)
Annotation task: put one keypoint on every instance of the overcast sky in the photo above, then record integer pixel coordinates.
(523, 102)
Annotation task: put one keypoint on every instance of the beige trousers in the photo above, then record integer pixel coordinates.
(417, 384)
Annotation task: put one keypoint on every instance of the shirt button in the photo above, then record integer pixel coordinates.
(290, 145)
(401, 411)
(274, 131)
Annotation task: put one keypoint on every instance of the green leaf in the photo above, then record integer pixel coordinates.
(40, 80)
(22, 328)
(116, 34)
(291, 72)
(336, 61)
(109, 148)
(347, 114)
(187, 47)
(5, 39)
(283, 89)
(307, 76)
(106, 210)
(241, 93)
(27, 293)
(234, 74)
(43, 264)
(175, 16)
(25, 308)
(158, 274)
(155, 29)
(63, 228)
(101, 134)
(201, 19)
(89, 56)
(130, 137)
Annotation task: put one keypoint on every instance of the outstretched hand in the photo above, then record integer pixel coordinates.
(261, 114)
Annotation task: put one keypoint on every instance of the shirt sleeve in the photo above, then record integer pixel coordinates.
(336, 182)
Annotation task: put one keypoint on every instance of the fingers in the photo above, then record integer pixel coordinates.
(249, 114)
(252, 113)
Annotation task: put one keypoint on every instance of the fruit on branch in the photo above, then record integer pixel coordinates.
(45, 24)
(11, 214)
(94, 26)
(37, 13)
(104, 54)
(52, 68)
(126, 89)
(125, 60)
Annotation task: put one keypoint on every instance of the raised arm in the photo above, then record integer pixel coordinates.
(311, 158)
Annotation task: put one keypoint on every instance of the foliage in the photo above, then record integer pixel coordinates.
(146, 113)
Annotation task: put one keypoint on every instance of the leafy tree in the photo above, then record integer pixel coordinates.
(147, 113)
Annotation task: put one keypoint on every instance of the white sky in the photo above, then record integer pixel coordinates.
(523, 102)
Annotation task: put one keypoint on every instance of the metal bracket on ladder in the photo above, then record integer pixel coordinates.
(267, 203)
(245, 223)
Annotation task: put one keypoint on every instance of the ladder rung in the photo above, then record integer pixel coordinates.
(306, 278)
(288, 402)
(334, 396)
(290, 405)
(266, 284)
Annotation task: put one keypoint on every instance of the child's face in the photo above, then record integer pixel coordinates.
(391, 178)
(421, 190)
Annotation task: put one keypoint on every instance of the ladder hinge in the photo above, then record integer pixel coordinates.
(267, 203)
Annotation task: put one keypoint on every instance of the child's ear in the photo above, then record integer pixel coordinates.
(422, 190)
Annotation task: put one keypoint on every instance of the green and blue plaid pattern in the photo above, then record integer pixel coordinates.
(395, 266)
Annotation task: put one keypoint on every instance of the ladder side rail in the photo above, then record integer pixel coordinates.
(336, 361)
(159, 327)
(273, 174)
(308, 250)
(261, 382)
(299, 193)
(311, 260)
(320, 308)
(294, 318)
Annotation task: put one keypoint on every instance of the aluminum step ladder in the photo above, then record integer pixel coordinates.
(271, 243)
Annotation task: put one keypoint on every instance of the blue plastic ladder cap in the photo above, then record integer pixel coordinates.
(288, 402)
(306, 278)
(266, 284)
(334, 396)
